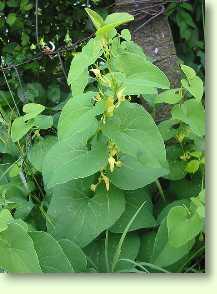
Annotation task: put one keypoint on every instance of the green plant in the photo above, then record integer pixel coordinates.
(187, 21)
(80, 188)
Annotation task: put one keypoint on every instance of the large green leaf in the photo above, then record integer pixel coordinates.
(141, 69)
(144, 219)
(78, 73)
(70, 159)
(134, 132)
(50, 254)
(17, 253)
(183, 227)
(39, 150)
(75, 255)
(165, 254)
(78, 116)
(78, 217)
(97, 252)
(192, 113)
(134, 174)
(137, 86)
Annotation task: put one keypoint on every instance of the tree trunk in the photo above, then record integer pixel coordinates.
(155, 37)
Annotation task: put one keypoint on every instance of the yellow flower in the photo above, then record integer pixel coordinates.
(96, 72)
(111, 162)
(93, 187)
(106, 181)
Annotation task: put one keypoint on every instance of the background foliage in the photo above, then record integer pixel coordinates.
(63, 23)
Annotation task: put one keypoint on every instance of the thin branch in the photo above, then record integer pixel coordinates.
(36, 21)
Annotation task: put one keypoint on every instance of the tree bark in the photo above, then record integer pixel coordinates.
(156, 40)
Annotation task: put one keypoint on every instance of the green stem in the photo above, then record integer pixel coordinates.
(106, 252)
(123, 236)
(160, 189)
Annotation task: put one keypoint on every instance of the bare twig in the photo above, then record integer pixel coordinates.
(36, 21)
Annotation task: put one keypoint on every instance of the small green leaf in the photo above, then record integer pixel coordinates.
(32, 110)
(118, 18)
(126, 35)
(188, 71)
(164, 254)
(192, 113)
(2, 5)
(164, 212)
(182, 227)
(97, 20)
(11, 18)
(43, 122)
(20, 128)
(194, 87)
(192, 166)
(166, 129)
(169, 96)
(176, 165)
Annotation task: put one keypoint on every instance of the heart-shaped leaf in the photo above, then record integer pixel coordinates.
(182, 227)
(78, 217)
(78, 116)
(32, 110)
(70, 159)
(164, 254)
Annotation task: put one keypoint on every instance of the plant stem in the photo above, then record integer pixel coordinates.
(160, 189)
(106, 252)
